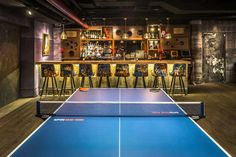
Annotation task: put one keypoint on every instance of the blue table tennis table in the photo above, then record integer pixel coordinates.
(118, 132)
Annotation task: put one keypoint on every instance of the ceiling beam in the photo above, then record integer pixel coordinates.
(65, 10)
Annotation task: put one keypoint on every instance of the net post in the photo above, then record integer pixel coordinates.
(203, 109)
(38, 114)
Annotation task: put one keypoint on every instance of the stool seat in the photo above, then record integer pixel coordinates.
(122, 70)
(174, 74)
(141, 70)
(179, 71)
(48, 71)
(67, 71)
(104, 70)
(85, 70)
(160, 70)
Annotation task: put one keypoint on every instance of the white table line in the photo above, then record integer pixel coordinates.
(119, 121)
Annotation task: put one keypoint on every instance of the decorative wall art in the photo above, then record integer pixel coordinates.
(213, 57)
(108, 32)
(46, 45)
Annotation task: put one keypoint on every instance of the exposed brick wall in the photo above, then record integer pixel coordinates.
(227, 27)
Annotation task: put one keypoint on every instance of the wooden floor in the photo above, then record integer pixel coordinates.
(220, 123)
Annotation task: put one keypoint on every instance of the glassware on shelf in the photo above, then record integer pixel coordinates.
(153, 45)
(91, 34)
(96, 49)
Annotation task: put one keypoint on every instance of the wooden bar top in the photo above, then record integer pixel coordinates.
(115, 62)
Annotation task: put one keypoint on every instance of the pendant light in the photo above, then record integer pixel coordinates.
(104, 25)
(125, 35)
(168, 35)
(146, 35)
(63, 33)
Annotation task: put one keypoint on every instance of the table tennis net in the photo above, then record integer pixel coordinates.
(120, 109)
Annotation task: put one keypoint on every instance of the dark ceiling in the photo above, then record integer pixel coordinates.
(179, 11)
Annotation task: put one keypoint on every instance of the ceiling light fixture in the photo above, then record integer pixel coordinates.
(168, 35)
(63, 33)
(125, 35)
(29, 12)
(104, 24)
(146, 35)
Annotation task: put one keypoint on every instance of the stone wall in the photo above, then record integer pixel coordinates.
(9, 63)
(212, 26)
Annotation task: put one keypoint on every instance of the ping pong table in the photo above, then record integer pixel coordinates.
(119, 123)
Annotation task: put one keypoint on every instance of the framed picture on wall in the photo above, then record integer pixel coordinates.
(46, 45)
(108, 32)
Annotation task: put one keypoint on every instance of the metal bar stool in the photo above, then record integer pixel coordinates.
(122, 70)
(160, 70)
(85, 70)
(141, 70)
(179, 71)
(104, 70)
(47, 72)
(67, 71)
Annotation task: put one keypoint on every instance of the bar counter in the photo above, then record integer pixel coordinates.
(115, 62)
(113, 79)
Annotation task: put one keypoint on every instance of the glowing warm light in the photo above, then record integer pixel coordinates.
(63, 33)
(125, 36)
(146, 35)
(29, 12)
(152, 29)
(168, 36)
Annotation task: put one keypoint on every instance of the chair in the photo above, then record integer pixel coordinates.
(48, 71)
(104, 70)
(122, 70)
(67, 71)
(85, 70)
(141, 70)
(179, 71)
(160, 70)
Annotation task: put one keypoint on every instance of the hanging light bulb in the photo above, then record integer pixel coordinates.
(104, 23)
(168, 35)
(147, 34)
(125, 35)
(63, 33)
(152, 29)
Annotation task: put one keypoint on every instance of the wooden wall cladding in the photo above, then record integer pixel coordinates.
(136, 32)
(180, 38)
(176, 43)
(178, 30)
(70, 46)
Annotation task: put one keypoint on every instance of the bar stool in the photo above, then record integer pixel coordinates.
(48, 71)
(67, 71)
(122, 70)
(141, 70)
(160, 70)
(179, 71)
(104, 70)
(85, 70)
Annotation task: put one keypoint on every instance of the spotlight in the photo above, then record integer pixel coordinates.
(29, 12)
